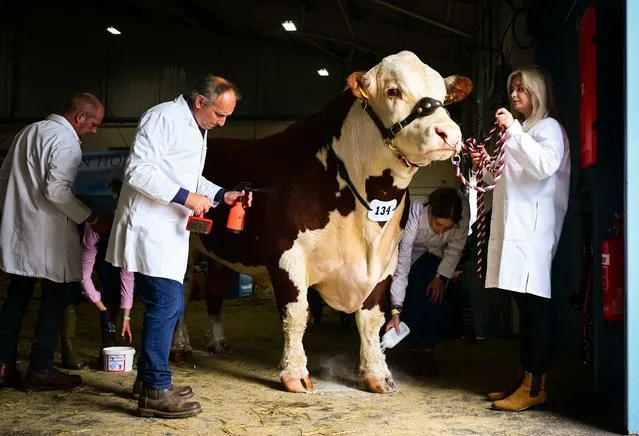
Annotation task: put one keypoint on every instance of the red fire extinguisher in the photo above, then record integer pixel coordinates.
(612, 272)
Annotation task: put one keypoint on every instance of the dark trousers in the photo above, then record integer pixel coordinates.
(164, 301)
(535, 332)
(109, 276)
(422, 316)
(75, 294)
(54, 300)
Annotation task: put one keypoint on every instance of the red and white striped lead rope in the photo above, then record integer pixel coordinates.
(494, 164)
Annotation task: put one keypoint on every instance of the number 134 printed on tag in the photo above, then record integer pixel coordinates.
(382, 210)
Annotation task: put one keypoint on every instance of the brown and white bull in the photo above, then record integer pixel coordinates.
(332, 202)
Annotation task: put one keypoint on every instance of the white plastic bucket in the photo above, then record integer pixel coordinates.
(118, 359)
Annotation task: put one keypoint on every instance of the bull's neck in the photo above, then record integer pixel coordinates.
(373, 168)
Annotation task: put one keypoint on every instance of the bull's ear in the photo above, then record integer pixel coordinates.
(457, 88)
(360, 85)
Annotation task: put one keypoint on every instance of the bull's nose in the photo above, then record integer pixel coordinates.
(450, 135)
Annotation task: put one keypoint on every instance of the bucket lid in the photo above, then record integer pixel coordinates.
(110, 350)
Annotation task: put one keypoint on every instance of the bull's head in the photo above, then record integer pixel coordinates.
(406, 99)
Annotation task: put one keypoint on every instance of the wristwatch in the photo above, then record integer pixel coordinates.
(396, 309)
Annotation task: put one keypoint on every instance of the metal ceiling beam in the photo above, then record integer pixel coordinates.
(306, 34)
(346, 20)
(317, 45)
(422, 18)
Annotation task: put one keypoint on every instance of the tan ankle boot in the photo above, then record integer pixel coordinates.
(531, 392)
(500, 395)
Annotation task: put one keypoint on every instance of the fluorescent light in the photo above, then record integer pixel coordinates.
(289, 26)
(322, 72)
(113, 30)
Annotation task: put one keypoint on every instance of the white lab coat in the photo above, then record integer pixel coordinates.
(529, 206)
(38, 233)
(149, 233)
(419, 238)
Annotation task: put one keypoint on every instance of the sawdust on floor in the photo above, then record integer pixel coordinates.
(241, 395)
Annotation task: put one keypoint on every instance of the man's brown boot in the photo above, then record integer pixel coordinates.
(69, 358)
(165, 404)
(184, 392)
(531, 392)
(500, 395)
(52, 380)
(9, 376)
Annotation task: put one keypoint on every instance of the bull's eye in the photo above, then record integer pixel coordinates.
(392, 92)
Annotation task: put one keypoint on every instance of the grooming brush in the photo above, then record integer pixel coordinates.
(199, 224)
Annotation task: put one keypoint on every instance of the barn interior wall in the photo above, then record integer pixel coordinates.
(597, 192)
(546, 34)
(57, 54)
(43, 63)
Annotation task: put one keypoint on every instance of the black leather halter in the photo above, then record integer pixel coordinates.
(424, 107)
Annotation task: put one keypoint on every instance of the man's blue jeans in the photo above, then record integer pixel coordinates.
(164, 300)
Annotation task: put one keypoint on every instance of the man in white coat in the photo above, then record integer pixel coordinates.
(39, 239)
(163, 186)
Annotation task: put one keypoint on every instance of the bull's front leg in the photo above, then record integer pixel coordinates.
(370, 318)
(291, 296)
(214, 298)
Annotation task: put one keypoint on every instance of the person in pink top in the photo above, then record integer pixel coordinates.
(117, 283)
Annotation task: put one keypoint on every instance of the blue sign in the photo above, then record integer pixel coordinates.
(100, 174)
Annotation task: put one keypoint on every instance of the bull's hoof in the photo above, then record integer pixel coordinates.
(297, 385)
(181, 357)
(380, 385)
(219, 347)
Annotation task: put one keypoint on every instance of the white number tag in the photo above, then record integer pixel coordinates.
(381, 211)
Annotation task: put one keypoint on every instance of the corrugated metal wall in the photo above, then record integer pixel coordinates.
(131, 72)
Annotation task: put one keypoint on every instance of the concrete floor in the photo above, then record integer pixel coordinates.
(241, 395)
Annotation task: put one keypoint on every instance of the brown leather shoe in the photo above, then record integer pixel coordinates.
(9, 376)
(165, 404)
(53, 380)
(184, 392)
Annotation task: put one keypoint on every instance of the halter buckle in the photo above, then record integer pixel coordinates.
(397, 126)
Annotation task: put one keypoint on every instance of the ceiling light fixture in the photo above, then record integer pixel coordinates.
(322, 72)
(113, 30)
(289, 26)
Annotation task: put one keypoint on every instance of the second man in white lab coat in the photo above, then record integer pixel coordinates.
(163, 186)
(39, 239)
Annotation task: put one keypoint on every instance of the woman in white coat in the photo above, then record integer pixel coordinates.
(529, 206)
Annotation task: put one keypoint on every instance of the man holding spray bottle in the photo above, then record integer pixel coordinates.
(150, 238)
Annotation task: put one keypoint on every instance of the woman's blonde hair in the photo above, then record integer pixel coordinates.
(538, 83)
